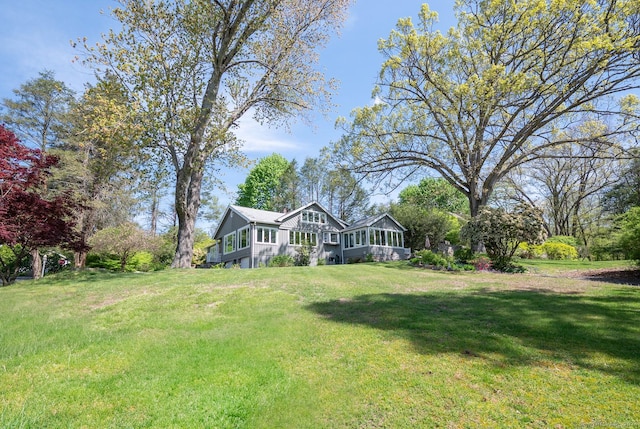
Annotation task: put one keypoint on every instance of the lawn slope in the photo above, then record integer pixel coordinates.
(358, 346)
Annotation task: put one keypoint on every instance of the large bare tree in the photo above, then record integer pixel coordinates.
(198, 66)
(496, 91)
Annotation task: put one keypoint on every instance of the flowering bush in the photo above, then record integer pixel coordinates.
(502, 231)
(482, 263)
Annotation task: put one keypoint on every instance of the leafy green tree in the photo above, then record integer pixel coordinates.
(38, 113)
(344, 195)
(99, 158)
(30, 218)
(124, 241)
(262, 183)
(630, 233)
(197, 67)
(425, 227)
(493, 93)
(312, 174)
(287, 195)
(435, 193)
(502, 231)
(39, 116)
(625, 194)
(211, 210)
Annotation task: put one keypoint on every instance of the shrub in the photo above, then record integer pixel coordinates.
(501, 232)
(529, 251)
(559, 251)
(427, 257)
(304, 254)
(481, 263)
(141, 261)
(281, 261)
(463, 255)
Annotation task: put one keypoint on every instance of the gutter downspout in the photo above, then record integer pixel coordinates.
(252, 228)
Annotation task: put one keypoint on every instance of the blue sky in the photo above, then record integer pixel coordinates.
(36, 35)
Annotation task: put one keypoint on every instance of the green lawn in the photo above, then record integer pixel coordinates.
(355, 346)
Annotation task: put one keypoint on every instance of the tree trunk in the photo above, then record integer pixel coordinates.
(188, 186)
(36, 264)
(80, 259)
(475, 203)
(154, 212)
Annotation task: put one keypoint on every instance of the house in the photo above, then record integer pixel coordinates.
(250, 237)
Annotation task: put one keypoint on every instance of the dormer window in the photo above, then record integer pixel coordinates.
(310, 216)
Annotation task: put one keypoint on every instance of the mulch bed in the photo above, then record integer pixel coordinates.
(618, 276)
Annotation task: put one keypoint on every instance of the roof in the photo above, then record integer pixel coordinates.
(362, 223)
(256, 215)
(276, 218)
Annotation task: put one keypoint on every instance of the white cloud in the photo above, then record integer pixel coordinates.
(260, 139)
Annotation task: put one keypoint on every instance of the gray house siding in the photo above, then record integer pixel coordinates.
(246, 237)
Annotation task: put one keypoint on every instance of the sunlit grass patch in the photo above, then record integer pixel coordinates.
(369, 345)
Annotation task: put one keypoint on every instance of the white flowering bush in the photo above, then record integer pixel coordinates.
(501, 232)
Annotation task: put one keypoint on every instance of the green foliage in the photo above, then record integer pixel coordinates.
(463, 254)
(626, 193)
(630, 233)
(427, 257)
(139, 261)
(304, 253)
(39, 114)
(261, 185)
(502, 232)
(435, 193)
(453, 234)
(557, 250)
(564, 239)
(281, 261)
(124, 241)
(142, 261)
(421, 223)
(475, 102)
(529, 251)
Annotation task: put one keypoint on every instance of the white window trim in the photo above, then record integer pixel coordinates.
(224, 243)
(306, 214)
(329, 240)
(350, 243)
(312, 242)
(239, 238)
(387, 233)
(273, 231)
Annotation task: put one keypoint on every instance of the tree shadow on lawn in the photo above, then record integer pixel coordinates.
(507, 327)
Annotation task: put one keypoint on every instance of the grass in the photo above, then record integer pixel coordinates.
(358, 346)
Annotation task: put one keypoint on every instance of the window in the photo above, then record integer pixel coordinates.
(229, 243)
(383, 237)
(243, 238)
(310, 216)
(266, 235)
(331, 238)
(299, 238)
(355, 239)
